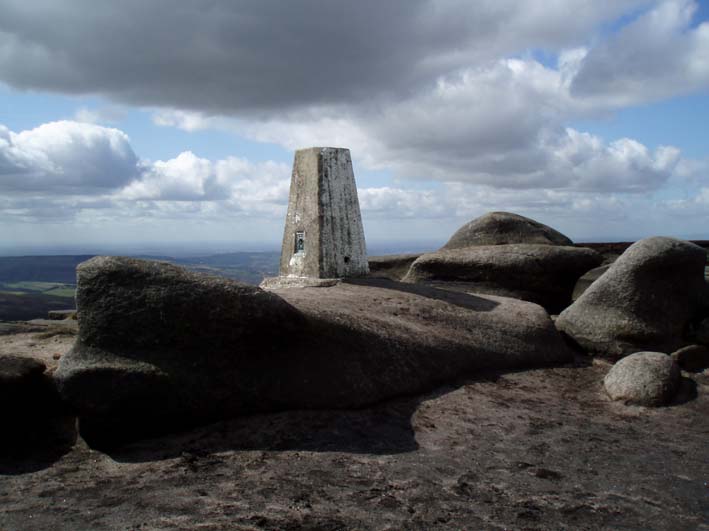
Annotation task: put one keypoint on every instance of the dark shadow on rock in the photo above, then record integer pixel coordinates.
(37, 426)
(686, 392)
(574, 345)
(456, 298)
(384, 429)
(35, 444)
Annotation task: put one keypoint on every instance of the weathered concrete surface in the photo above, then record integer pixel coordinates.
(502, 228)
(645, 301)
(323, 211)
(161, 348)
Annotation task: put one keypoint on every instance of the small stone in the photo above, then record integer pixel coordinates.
(643, 379)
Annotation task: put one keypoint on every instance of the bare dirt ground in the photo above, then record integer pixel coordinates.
(539, 449)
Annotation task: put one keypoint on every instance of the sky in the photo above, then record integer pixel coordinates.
(138, 123)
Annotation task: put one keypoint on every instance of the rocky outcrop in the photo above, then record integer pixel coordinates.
(587, 279)
(163, 346)
(160, 348)
(543, 274)
(500, 228)
(17, 375)
(692, 358)
(393, 266)
(30, 405)
(645, 301)
(702, 332)
(643, 379)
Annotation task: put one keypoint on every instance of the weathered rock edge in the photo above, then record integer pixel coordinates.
(543, 274)
(645, 301)
(502, 228)
(161, 348)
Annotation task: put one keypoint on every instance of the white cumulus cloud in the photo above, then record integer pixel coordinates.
(66, 157)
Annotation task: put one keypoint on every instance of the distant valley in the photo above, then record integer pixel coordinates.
(31, 286)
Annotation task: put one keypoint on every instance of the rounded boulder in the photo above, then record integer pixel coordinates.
(501, 228)
(643, 379)
(644, 302)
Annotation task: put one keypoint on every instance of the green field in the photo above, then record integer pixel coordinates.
(56, 289)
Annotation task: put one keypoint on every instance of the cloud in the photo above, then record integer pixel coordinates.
(184, 178)
(475, 98)
(500, 125)
(189, 194)
(66, 157)
(98, 115)
(420, 90)
(237, 184)
(239, 56)
(71, 171)
(657, 56)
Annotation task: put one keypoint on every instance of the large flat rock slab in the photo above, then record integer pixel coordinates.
(423, 335)
(160, 348)
(540, 449)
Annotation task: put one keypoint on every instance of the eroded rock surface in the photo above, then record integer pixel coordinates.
(692, 358)
(587, 279)
(702, 332)
(645, 301)
(30, 407)
(539, 449)
(500, 228)
(393, 267)
(544, 274)
(643, 379)
(160, 348)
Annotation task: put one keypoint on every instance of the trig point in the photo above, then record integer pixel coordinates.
(323, 236)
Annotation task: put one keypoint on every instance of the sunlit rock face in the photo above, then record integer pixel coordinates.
(645, 301)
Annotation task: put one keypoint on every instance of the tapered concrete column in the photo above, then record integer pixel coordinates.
(323, 235)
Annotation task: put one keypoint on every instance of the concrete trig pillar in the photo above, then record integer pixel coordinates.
(323, 236)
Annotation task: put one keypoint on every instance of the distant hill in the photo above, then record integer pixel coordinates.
(26, 306)
(245, 267)
(40, 268)
(30, 286)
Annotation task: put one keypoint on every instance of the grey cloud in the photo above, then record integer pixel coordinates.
(501, 125)
(239, 56)
(657, 56)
